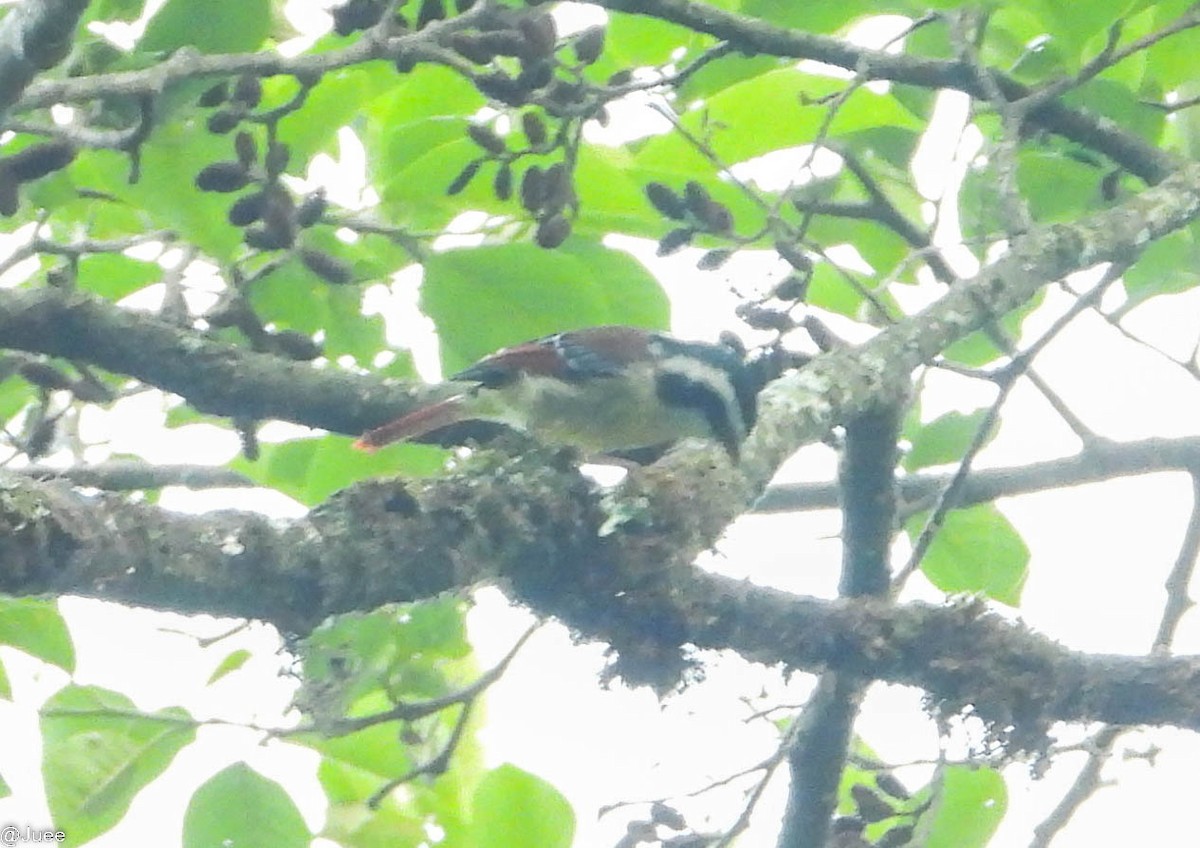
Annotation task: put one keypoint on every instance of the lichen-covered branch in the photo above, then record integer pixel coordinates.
(386, 541)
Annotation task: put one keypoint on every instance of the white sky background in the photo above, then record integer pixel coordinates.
(1100, 556)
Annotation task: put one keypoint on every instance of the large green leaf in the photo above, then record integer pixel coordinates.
(310, 470)
(771, 111)
(113, 275)
(99, 752)
(484, 298)
(944, 439)
(976, 550)
(1168, 265)
(239, 808)
(35, 626)
(967, 808)
(515, 809)
(820, 15)
(225, 26)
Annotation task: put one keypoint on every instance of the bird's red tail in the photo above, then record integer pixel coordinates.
(415, 424)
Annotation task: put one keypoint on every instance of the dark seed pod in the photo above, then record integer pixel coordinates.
(793, 288)
(486, 138)
(557, 187)
(533, 189)
(223, 176)
(601, 116)
(215, 96)
(279, 214)
(461, 6)
(717, 218)
(714, 259)
(38, 442)
(464, 177)
(540, 34)
(1110, 184)
(276, 162)
(297, 346)
(589, 44)
(247, 150)
(430, 11)
(405, 62)
(504, 42)
(675, 240)
(330, 269)
(311, 209)
(90, 390)
(660, 813)
(503, 184)
(247, 209)
(871, 806)
(247, 90)
(500, 86)
(553, 231)
(234, 312)
(794, 256)
(38, 160)
(565, 93)
(535, 74)
(10, 196)
(534, 127)
(471, 46)
(44, 375)
(697, 198)
(765, 318)
(264, 238)
(355, 15)
(621, 77)
(223, 121)
(896, 837)
(890, 786)
(666, 201)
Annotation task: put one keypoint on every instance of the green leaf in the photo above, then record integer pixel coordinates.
(5, 693)
(976, 550)
(239, 808)
(223, 27)
(113, 275)
(515, 809)
(484, 298)
(15, 395)
(166, 194)
(967, 808)
(35, 626)
(1057, 187)
(769, 112)
(1128, 109)
(943, 440)
(232, 662)
(99, 752)
(1167, 266)
(336, 101)
(310, 470)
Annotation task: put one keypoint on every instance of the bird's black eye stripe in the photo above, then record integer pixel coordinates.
(679, 390)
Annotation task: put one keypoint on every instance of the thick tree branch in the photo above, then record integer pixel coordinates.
(1100, 461)
(213, 376)
(383, 542)
(757, 37)
(33, 37)
(818, 751)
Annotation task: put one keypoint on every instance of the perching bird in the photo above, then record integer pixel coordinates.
(605, 390)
